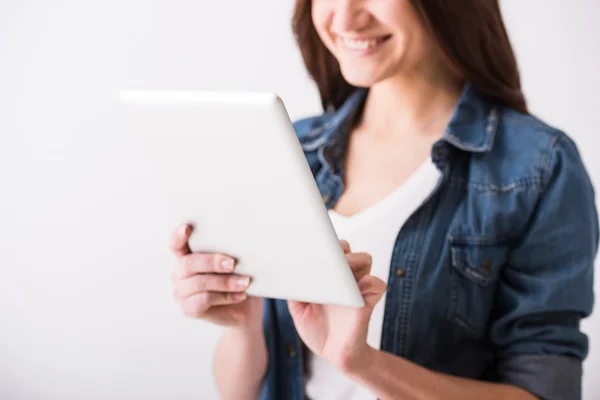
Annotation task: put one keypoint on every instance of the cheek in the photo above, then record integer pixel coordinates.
(409, 30)
(320, 16)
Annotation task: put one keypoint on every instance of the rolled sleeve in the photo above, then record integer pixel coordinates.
(549, 377)
(546, 288)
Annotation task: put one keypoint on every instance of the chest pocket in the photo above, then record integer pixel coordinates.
(474, 277)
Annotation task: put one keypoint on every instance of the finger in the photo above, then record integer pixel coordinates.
(372, 290)
(360, 264)
(201, 263)
(210, 283)
(179, 240)
(198, 305)
(345, 246)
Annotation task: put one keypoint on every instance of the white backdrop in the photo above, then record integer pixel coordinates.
(85, 312)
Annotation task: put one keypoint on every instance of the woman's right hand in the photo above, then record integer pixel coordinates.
(206, 287)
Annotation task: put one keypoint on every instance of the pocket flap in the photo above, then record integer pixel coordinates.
(480, 263)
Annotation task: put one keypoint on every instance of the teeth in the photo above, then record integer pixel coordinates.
(360, 44)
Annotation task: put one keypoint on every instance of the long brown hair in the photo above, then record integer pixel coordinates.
(470, 33)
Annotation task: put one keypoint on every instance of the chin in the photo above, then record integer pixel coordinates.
(362, 77)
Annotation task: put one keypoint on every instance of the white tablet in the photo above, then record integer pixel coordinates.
(231, 164)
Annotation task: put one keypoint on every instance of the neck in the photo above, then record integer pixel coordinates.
(419, 103)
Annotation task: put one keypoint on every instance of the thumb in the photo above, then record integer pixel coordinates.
(372, 290)
(297, 309)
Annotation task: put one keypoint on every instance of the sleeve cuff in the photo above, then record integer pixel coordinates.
(550, 377)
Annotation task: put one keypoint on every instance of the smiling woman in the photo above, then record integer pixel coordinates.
(472, 40)
(454, 203)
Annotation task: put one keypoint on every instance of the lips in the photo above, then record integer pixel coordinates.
(363, 44)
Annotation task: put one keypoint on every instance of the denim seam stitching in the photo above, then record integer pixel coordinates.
(532, 181)
(389, 296)
(414, 266)
(531, 123)
(547, 171)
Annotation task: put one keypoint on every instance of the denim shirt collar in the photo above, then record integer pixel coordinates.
(472, 126)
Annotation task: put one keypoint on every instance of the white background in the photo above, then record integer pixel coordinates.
(85, 297)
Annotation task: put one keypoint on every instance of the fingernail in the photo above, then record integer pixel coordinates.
(227, 264)
(243, 282)
(238, 296)
(183, 231)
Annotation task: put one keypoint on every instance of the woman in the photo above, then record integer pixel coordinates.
(474, 218)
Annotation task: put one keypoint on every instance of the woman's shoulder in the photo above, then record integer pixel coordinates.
(311, 126)
(533, 144)
(314, 131)
(527, 128)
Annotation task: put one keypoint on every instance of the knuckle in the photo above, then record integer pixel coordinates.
(353, 258)
(172, 244)
(204, 300)
(176, 273)
(195, 307)
(191, 311)
(362, 258)
(175, 245)
(199, 284)
(180, 292)
(187, 265)
(211, 261)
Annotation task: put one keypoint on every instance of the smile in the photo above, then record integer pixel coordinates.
(363, 45)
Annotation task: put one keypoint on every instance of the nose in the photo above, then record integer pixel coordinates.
(349, 15)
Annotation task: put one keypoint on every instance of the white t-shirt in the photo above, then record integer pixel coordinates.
(373, 230)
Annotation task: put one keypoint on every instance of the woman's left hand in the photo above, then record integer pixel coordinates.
(337, 333)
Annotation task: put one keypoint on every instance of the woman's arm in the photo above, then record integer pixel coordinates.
(544, 291)
(240, 363)
(390, 378)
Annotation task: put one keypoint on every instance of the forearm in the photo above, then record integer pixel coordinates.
(390, 377)
(240, 363)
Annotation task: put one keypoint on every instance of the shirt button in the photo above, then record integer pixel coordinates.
(291, 351)
(326, 198)
(486, 266)
(440, 152)
(400, 272)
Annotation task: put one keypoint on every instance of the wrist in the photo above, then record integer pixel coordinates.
(245, 332)
(246, 346)
(362, 361)
(241, 357)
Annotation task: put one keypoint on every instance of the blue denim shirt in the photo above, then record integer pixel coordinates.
(497, 264)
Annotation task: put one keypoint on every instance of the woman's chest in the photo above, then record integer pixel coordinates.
(374, 169)
(443, 259)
